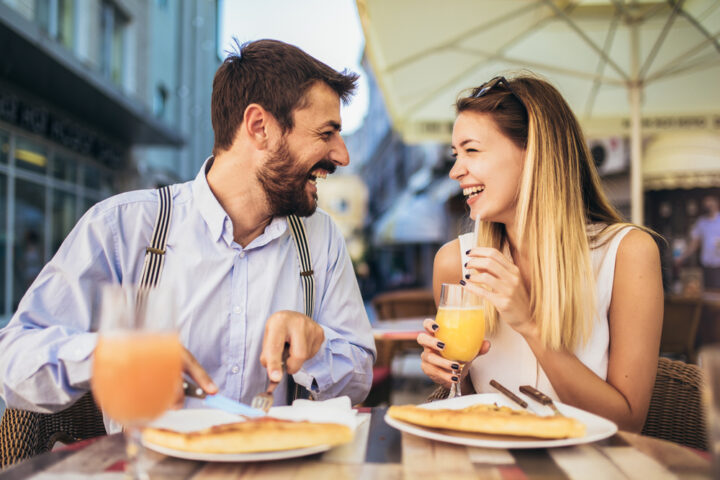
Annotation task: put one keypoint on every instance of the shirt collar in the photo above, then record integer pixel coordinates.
(210, 209)
(218, 220)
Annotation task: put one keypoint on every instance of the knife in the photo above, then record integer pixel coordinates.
(220, 402)
(540, 397)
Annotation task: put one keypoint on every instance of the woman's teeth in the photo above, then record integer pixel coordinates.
(472, 191)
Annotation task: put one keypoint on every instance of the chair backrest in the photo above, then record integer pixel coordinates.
(24, 434)
(676, 411)
(680, 325)
(404, 304)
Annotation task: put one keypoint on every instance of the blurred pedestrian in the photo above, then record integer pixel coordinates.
(705, 236)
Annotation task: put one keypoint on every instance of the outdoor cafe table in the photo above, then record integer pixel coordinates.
(381, 452)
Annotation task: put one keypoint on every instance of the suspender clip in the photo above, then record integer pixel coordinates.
(307, 273)
(159, 251)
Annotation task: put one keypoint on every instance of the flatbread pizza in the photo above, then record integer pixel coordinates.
(490, 419)
(263, 434)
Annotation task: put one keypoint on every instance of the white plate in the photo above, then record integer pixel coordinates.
(189, 420)
(597, 428)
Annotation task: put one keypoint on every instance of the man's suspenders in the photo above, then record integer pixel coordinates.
(155, 258)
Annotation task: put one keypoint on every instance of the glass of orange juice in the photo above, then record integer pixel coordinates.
(137, 364)
(461, 320)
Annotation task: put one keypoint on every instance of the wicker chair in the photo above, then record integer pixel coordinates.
(676, 411)
(24, 434)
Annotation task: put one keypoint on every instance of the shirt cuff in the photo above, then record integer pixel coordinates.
(315, 374)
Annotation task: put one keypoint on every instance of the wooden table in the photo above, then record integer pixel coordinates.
(381, 452)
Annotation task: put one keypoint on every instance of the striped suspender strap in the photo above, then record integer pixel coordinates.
(155, 253)
(297, 228)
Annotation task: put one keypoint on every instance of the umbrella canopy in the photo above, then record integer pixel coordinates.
(613, 60)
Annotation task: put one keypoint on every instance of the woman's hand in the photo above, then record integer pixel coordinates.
(441, 370)
(494, 277)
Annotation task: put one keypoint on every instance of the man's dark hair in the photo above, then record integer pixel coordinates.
(274, 75)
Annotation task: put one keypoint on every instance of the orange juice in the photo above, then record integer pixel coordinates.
(136, 376)
(462, 329)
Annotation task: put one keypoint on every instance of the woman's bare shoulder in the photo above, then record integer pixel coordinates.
(448, 263)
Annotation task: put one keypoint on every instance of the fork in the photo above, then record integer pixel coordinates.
(263, 401)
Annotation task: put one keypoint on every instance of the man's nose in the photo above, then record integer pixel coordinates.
(339, 154)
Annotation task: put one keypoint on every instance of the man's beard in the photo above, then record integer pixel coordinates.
(284, 182)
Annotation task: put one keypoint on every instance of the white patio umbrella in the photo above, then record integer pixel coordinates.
(617, 62)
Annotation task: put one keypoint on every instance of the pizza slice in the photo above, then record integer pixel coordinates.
(491, 419)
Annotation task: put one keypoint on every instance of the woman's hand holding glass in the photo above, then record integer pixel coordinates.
(455, 338)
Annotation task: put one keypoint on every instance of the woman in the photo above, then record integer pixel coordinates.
(577, 293)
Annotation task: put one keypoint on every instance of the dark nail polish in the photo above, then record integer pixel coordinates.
(454, 379)
(455, 366)
(467, 253)
(462, 282)
(440, 345)
(435, 326)
(467, 275)
(465, 264)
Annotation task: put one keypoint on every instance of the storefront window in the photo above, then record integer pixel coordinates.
(65, 168)
(63, 217)
(3, 243)
(92, 177)
(4, 147)
(30, 156)
(29, 236)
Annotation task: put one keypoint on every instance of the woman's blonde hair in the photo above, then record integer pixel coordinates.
(559, 195)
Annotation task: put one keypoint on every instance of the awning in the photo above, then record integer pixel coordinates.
(682, 160)
(413, 219)
(621, 65)
(44, 69)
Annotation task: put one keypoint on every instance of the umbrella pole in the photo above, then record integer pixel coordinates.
(636, 190)
(635, 90)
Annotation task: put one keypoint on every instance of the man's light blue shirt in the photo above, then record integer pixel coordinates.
(224, 295)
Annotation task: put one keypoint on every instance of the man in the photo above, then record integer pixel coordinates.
(705, 235)
(230, 258)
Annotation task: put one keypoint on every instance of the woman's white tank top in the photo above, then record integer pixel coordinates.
(510, 360)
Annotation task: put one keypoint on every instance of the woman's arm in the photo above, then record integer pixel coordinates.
(635, 318)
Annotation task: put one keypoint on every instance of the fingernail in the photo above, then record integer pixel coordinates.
(212, 385)
(467, 275)
(276, 376)
(467, 253)
(465, 264)
(435, 326)
(462, 282)
(440, 345)
(454, 379)
(455, 366)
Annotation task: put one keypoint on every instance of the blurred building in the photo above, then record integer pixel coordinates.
(96, 97)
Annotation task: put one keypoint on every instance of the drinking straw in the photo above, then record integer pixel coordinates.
(477, 230)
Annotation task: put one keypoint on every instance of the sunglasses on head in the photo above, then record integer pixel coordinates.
(489, 85)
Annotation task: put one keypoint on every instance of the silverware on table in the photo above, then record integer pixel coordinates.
(540, 397)
(509, 394)
(220, 402)
(263, 401)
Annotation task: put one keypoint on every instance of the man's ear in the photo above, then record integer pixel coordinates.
(255, 124)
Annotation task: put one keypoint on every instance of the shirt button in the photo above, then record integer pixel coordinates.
(242, 254)
(236, 309)
(235, 369)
